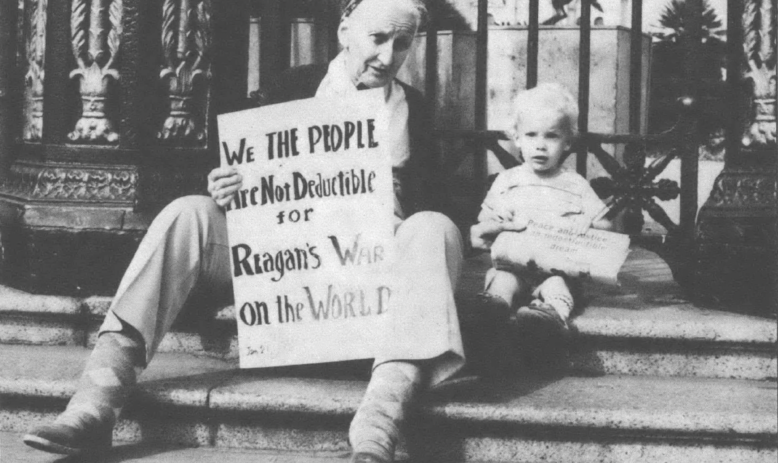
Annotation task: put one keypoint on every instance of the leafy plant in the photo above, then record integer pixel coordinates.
(677, 16)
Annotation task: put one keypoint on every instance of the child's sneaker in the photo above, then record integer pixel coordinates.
(541, 337)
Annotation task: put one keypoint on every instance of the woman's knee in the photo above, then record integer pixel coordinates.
(194, 206)
(192, 213)
(432, 223)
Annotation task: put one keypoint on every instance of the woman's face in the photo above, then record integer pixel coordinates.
(376, 39)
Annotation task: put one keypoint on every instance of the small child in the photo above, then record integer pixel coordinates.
(545, 126)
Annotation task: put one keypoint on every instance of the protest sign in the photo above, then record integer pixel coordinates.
(311, 229)
(550, 246)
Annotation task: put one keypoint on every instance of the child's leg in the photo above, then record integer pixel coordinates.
(554, 291)
(542, 330)
(486, 331)
(505, 285)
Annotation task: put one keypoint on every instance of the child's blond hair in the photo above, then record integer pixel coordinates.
(552, 97)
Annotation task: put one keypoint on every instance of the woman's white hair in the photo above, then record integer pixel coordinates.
(417, 6)
(548, 97)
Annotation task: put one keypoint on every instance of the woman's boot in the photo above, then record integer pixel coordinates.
(87, 423)
(376, 426)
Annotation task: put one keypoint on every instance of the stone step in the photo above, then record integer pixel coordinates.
(12, 449)
(207, 402)
(645, 327)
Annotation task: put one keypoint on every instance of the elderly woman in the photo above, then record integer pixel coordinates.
(185, 252)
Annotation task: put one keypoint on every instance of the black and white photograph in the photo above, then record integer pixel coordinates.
(378, 231)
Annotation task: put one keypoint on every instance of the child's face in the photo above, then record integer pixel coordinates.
(543, 140)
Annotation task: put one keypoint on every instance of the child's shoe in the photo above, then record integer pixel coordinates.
(542, 337)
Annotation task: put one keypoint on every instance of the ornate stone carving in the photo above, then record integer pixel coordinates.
(33, 181)
(746, 190)
(760, 30)
(186, 45)
(35, 51)
(96, 30)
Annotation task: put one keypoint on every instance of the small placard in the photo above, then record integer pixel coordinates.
(550, 246)
(311, 230)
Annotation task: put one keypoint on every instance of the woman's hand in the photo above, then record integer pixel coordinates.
(223, 182)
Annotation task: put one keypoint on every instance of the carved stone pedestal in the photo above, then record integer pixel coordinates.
(115, 120)
(737, 231)
(68, 230)
(736, 238)
(72, 228)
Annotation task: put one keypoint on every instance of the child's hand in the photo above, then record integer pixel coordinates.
(483, 234)
(581, 224)
(503, 215)
(518, 223)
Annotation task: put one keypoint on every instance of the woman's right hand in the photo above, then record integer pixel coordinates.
(223, 182)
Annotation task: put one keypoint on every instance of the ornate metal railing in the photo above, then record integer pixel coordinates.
(630, 187)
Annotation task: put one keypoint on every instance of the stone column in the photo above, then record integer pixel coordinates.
(736, 228)
(117, 121)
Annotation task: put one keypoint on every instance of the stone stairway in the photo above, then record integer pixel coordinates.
(652, 378)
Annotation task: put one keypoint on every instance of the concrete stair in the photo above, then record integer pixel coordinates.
(652, 378)
(202, 401)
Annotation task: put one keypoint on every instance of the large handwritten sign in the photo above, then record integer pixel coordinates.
(550, 246)
(311, 234)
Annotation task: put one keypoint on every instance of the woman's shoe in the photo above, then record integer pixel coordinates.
(362, 457)
(86, 435)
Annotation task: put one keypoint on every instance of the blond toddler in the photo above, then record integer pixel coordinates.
(544, 128)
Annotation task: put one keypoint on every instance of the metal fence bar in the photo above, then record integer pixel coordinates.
(689, 161)
(431, 67)
(332, 13)
(734, 91)
(481, 55)
(532, 44)
(274, 42)
(584, 57)
(636, 66)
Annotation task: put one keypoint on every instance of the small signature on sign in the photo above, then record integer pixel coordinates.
(256, 350)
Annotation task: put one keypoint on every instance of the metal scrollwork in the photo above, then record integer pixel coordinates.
(186, 43)
(634, 188)
(760, 30)
(35, 47)
(96, 29)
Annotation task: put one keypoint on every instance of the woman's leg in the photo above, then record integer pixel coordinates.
(185, 247)
(422, 344)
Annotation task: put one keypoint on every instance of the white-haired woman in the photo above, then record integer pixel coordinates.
(185, 252)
